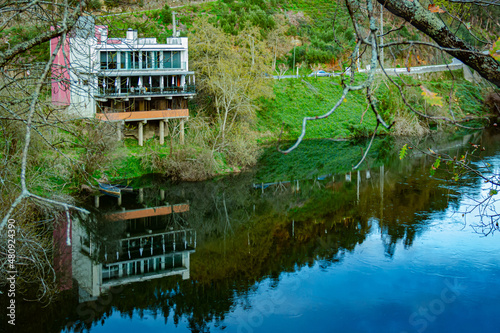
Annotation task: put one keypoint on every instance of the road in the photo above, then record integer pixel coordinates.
(454, 65)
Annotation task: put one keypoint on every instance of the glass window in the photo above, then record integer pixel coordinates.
(156, 59)
(104, 60)
(134, 60)
(129, 60)
(176, 59)
(123, 59)
(167, 59)
(112, 60)
(145, 62)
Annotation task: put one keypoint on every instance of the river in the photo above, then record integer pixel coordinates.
(301, 243)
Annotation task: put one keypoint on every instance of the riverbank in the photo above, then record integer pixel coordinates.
(294, 99)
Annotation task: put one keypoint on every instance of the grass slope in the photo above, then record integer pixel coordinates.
(310, 97)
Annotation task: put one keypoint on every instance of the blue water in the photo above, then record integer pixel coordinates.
(386, 251)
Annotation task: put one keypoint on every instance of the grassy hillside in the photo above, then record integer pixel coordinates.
(298, 98)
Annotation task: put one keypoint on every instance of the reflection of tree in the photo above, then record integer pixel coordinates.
(246, 236)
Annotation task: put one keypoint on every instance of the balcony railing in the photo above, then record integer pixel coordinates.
(137, 66)
(145, 91)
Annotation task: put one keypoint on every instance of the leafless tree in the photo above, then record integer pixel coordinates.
(29, 125)
(426, 19)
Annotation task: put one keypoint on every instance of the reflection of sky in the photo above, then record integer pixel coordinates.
(449, 270)
(368, 292)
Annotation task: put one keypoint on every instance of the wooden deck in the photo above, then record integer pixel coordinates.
(148, 212)
(143, 115)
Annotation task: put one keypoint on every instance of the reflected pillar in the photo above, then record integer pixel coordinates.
(382, 174)
(357, 185)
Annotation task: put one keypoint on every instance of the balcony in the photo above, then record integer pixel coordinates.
(145, 92)
(142, 115)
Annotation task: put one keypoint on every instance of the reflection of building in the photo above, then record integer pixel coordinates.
(142, 244)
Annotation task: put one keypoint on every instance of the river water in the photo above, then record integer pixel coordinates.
(302, 243)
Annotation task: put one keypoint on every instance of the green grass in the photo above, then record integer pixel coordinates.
(298, 98)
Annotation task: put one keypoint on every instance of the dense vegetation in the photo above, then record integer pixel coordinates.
(318, 34)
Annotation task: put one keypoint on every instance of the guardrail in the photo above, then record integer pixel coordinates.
(145, 91)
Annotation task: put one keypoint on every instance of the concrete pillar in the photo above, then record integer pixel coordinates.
(162, 132)
(181, 134)
(119, 130)
(141, 132)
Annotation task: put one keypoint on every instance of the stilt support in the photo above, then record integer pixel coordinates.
(141, 132)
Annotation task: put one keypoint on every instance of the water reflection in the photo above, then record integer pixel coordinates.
(130, 245)
(301, 244)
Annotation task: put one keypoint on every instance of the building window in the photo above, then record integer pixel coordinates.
(176, 59)
(133, 60)
(156, 55)
(167, 59)
(104, 60)
(109, 60)
(123, 60)
(146, 60)
(112, 60)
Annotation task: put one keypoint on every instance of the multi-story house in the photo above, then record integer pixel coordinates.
(130, 80)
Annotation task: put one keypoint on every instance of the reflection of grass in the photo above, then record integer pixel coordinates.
(314, 158)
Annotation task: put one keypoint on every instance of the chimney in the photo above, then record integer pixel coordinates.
(104, 35)
(130, 34)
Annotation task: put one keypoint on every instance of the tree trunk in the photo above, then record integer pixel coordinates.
(431, 25)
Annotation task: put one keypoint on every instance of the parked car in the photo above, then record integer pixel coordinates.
(320, 73)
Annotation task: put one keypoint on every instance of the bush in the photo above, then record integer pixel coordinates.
(94, 5)
(166, 15)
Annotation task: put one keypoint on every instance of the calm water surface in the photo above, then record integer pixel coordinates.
(385, 249)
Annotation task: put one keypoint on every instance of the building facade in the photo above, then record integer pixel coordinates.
(130, 81)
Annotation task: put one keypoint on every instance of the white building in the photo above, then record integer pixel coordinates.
(126, 80)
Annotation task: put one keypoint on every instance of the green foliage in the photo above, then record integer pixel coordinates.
(111, 4)
(435, 165)
(94, 5)
(312, 97)
(495, 50)
(403, 151)
(166, 15)
(430, 97)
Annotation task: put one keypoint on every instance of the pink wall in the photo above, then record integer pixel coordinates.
(60, 74)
